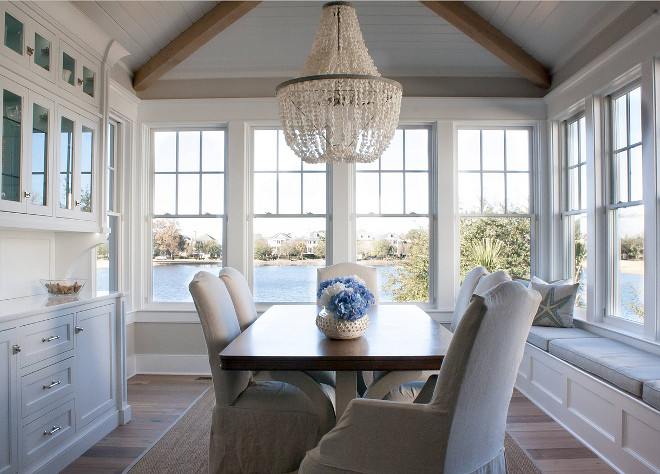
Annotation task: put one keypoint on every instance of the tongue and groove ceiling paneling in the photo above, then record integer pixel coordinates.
(405, 39)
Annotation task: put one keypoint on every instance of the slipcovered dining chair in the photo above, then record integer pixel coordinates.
(246, 311)
(368, 274)
(461, 430)
(477, 282)
(256, 426)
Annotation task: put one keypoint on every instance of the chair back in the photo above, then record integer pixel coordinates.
(220, 326)
(241, 296)
(465, 294)
(368, 274)
(476, 380)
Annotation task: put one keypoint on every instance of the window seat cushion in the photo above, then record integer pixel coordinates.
(651, 393)
(620, 364)
(540, 336)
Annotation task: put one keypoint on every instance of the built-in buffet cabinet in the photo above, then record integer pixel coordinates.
(51, 129)
(61, 382)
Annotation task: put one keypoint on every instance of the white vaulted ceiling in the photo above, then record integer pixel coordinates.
(405, 39)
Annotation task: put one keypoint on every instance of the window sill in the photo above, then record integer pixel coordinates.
(627, 337)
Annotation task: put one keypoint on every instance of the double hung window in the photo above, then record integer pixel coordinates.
(394, 217)
(625, 208)
(574, 215)
(494, 182)
(188, 208)
(289, 220)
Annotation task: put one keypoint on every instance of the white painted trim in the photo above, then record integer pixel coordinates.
(171, 364)
(172, 317)
(131, 366)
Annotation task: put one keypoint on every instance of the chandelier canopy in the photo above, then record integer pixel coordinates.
(340, 109)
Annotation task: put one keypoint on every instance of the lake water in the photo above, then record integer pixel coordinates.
(171, 284)
(270, 282)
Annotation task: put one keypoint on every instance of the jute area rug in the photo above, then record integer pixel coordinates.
(184, 448)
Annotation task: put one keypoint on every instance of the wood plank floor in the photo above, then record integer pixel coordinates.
(158, 401)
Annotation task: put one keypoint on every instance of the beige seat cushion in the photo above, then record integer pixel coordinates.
(620, 364)
(540, 336)
(651, 393)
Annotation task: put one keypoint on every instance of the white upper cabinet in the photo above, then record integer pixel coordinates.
(78, 74)
(27, 42)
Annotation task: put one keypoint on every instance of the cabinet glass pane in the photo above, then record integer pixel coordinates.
(13, 34)
(68, 68)
(41, 51)
(66, 164)
(10, 184)
(88, 81)
(86, 169)
(39, 186)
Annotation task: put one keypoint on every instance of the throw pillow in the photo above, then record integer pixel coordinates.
(557, 303)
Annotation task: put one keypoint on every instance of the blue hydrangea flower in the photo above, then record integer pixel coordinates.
(350, 304)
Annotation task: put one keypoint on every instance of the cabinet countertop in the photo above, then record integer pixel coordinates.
(16, 308)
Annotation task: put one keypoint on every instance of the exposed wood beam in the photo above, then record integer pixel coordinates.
(201, 32)
(469, 22)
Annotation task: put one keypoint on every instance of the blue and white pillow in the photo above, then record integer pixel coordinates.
(557, 303)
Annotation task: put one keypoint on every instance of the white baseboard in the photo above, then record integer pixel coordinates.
(131, 366)
(171, 364)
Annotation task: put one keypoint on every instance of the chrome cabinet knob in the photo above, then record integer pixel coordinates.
(16, 349)
(79, 329)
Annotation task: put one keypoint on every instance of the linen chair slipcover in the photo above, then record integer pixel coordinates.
(368, 274)
(465, 293)
(409, 391)
(461, 430)
(256, 426)
(246, 311)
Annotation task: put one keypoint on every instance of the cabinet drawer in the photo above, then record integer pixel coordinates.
(39, 437)
(45, 339)
(44, 386)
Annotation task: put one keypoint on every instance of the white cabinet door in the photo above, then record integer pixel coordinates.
(13, 102)
(8, 403)
(94, 356)
(77, 145)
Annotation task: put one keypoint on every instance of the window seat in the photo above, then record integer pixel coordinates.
(624, 366)
(605, 392)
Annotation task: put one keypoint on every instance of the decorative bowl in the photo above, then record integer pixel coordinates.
(64, 286)
(340, 328)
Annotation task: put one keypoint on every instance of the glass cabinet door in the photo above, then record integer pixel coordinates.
(14, 29)
(39, 156)
(66, 163)
(10, 179)
(86, 164)
(68, 69)
(41, 53)
(88, 81)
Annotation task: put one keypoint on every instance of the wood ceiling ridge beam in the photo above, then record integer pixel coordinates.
(473, 25)
(197, 35)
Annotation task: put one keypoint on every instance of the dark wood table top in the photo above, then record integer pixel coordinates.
(285, 337)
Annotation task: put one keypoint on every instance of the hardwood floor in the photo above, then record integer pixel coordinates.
(158, 401)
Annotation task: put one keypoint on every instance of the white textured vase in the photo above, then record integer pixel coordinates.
(340, 328)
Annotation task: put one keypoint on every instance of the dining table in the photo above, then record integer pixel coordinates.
(401, 338)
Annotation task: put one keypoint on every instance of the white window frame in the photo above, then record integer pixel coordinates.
(612, 292)
(432, 207)
(150, 303)
(567, 212)
(533, 186)
(263, 305)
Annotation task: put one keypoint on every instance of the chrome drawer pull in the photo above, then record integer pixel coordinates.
(52, 431)
(51, 338)
(16, 349)
(79, 329)
(52, 384)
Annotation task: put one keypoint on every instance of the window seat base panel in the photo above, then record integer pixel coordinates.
(619, 427)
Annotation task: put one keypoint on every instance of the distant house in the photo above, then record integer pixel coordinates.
(277, 240)
(313, 240)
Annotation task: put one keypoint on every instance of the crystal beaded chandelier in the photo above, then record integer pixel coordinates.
(340, 109)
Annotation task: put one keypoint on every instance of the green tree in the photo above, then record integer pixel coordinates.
(514, 235)
(300, 246)
(212, 248)
(102, 251)
(381, 249)
(319, 250)
(262, 251)
(410, 281)
(167, 237)
(632, 248)
(487, 253)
